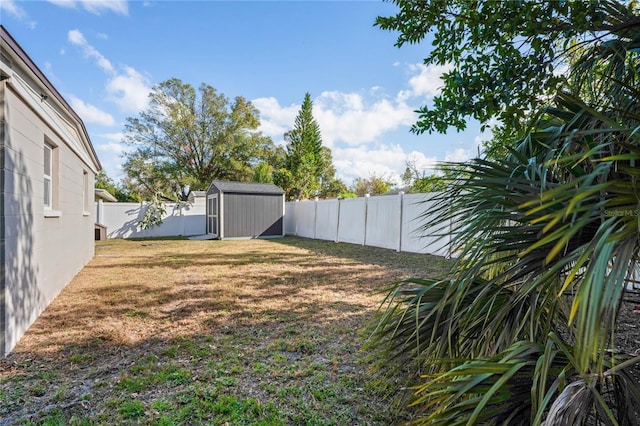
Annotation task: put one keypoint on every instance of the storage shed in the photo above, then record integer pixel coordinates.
(244, 210)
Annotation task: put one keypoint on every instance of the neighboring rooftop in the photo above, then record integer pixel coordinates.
(105, 195)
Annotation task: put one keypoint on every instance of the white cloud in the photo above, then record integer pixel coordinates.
(422, 162)
(113, 147)
(116, 137)
(342, 117)
(459, 155)
(355, 124)
(112, 143)
(12, 8)
(90, 113)
(129, 90)
(345, 117)
(427, 82)
(385, 161)
(95, 6)
(77, 38)
(355, 120)
(275, 119)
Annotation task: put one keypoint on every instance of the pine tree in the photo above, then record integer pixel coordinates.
(305, 159)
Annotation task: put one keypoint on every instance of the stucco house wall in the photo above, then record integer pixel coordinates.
(43, 247)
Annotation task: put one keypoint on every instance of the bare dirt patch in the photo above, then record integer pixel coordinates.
(191, 332)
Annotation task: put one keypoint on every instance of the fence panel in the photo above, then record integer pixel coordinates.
(351, 225)
(195, 219)
(416, 210)
(388, 221)
(290, 218)
(122, 219)
(327, 220)
(383, 221)
(306, 219)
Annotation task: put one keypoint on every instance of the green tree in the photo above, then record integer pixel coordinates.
(304, 163)
(186, 139)
(524, 331)
(373, 185)
(503, 53)
(103, 181)
(263, 173)
(419, 181)
(330, 185)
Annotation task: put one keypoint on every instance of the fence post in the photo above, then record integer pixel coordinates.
(366, 215)
(100, 211)
(180, 206)
(338, 200)
(295, 216)
(315, 218)
(401, 202)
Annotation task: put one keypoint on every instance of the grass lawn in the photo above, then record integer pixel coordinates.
(190, 332)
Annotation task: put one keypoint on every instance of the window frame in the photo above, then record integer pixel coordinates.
(50, 180)
(85, 193)
(47, 178)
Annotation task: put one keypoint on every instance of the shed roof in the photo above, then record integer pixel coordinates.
(246, 187)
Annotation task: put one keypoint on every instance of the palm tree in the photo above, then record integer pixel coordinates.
(548, 245)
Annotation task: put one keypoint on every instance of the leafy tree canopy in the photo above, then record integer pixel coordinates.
(419, 181)
(187, 138)
(103, 181)
(505, 55)
(330, 185)
(373, 185)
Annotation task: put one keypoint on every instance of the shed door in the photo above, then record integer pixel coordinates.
(212, 215)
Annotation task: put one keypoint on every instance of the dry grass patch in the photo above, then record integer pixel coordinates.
(190, 332)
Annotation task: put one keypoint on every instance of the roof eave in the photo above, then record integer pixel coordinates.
(39, 75)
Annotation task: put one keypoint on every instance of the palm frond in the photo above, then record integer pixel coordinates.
(547, 241)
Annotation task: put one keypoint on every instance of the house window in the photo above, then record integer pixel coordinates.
(85, 192)
(48, 176)
(50, 180)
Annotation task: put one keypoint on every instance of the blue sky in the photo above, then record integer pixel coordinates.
(104, 56)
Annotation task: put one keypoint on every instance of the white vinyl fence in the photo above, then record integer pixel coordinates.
(388, 221)
(122, 220)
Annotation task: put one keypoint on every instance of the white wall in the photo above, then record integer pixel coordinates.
(387, 221)
(122, 219)
(42, 252)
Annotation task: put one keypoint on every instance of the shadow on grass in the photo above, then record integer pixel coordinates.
(179, 327)
(413, 264)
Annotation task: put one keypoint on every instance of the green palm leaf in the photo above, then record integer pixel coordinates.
(547, 241)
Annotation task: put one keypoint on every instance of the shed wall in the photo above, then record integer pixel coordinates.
(252, 215)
